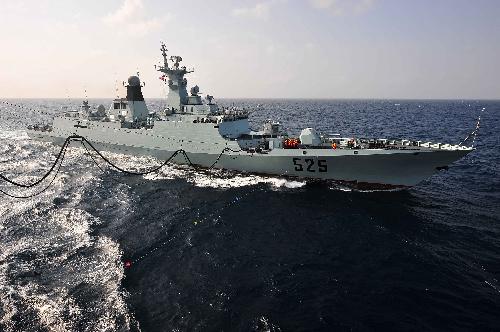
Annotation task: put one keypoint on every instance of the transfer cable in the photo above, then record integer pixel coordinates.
(44, 189)
(37, 182)
(84, 141)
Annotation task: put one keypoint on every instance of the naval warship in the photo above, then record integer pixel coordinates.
(219, 137)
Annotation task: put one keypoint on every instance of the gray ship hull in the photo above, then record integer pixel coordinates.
(210, 136)
(373, 166)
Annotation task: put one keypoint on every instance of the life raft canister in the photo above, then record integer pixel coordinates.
(291, 143)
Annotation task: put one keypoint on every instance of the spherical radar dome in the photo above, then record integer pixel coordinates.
(134, 81)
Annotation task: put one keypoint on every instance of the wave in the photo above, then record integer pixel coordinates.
(14, 135)
(54, 272)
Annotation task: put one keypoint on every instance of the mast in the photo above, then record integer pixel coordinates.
(164, 53)
(177, 83)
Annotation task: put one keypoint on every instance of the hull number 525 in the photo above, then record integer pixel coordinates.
(310, 165)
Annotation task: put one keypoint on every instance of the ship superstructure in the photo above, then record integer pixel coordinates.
(212, 136)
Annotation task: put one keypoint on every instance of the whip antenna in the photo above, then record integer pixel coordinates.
(473, 134)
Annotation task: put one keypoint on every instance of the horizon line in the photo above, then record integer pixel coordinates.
(281, 98)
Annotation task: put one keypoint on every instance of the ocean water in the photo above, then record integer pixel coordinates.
(236, 252)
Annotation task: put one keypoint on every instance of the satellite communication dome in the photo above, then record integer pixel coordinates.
(134, 81)
(309, 136)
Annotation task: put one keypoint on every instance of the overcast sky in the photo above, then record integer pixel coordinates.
(268, 48)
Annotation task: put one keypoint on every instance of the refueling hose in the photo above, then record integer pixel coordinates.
(85, 142)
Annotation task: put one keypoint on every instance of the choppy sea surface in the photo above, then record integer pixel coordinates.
(239, 252)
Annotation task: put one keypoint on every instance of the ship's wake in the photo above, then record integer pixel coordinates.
(214, 178)
(54, 271)
(223, 179)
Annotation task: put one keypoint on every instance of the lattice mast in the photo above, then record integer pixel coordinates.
(174, 77)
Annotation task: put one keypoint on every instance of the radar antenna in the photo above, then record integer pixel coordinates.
(164, 50)
(176, 60)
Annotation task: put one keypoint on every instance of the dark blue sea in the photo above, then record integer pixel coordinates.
(239, 252)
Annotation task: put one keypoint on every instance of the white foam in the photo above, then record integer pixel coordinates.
(341, 188)
(14, 134)
(213, 179)
(221, 179)
(347, 188)
(263, 324)
(56, 238)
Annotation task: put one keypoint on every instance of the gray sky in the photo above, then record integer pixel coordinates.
(269, 48)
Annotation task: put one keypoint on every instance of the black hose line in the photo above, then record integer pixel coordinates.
(155, 169)
(85, 142)
(44, 189)
(180, 151)
(37, 182)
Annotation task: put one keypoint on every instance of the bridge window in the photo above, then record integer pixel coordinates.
(117, 106)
